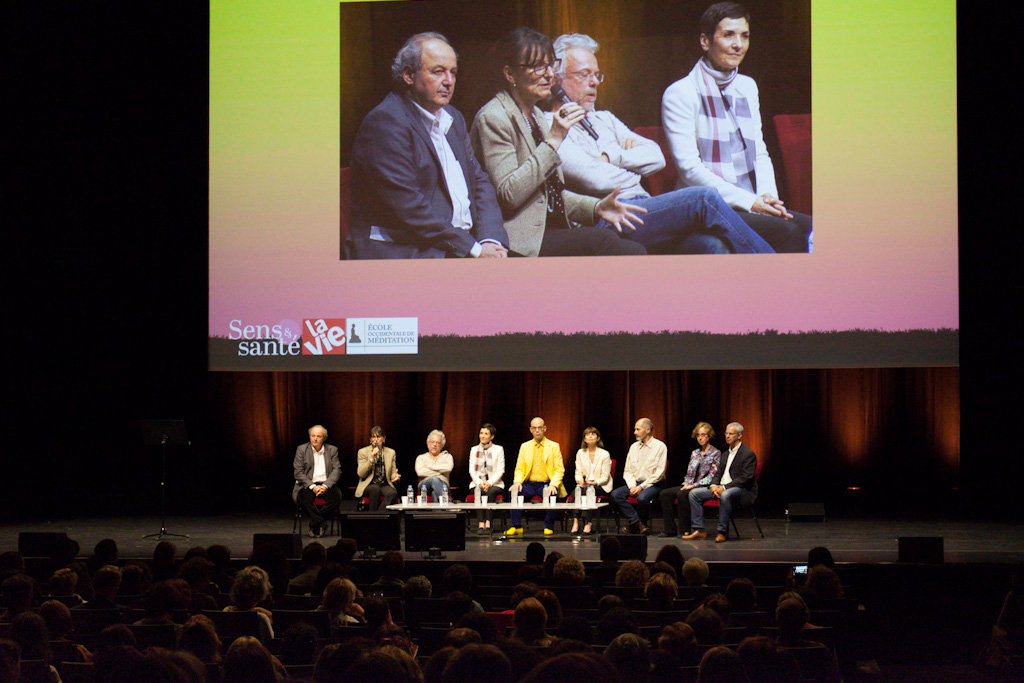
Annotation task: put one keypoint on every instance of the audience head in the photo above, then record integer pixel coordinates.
(526, 589)
(477, 662)
(299, 644)
(741, 595)
(632, 573)
(791, 617)
(197, 571)
(820, 555)
(18, 592)
(530, 618)
(630, 655)
(609, 602)
(664, 568)
(348, 547)
(535, 553)
(671, 554)
(549, 563)
(166, 666)
(376, 612)
(10, 661)
(249, 661)
(717, 603)
(117, 664)
(392, 565)
(459, 637)
(29, 630)
(63, 582)
(199, 636)
(106, 582)
(824, 583)
(417, 586)
(660, 592)
(378, 666)
(574, 666)
(708, 627)
(339, 596)
(576, 627)
(57, 617)
(115, 635)
(765, 662)
(695, 572)
(251, 587)
(721, 665)
(678, 639)
(11, 562)
(314, 555)
(136, 578)
(615, 622)
(455, 605)
(335, 659)
(160, 601)
(433, 670)
(569, 572)
(164, 553)
(551, 605)
(482, 624)
(220, 555)
(457, 577)
(194, 551)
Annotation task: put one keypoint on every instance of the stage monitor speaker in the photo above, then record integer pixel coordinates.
(921, 549)
(809, 512)
(443, 530)
(290, 544)
(377, 530)
(39, 543)
(631, 546)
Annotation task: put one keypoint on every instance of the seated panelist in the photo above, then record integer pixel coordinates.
(435, 466)
(539, 472)
(487, 470)
(316, 468)
(417, 189)
(377, 471)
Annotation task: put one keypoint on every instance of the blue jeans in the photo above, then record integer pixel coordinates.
(675, 216)
(529, 490)
(729, 498)
(434, 486)
(644, 500)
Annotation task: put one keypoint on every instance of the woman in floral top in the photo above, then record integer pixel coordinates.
(701, 469)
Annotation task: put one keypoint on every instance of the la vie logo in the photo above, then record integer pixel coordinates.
(323, 337)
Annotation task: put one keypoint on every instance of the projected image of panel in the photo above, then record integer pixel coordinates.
(321, 243)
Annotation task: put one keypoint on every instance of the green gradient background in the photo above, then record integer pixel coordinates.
(885, 192)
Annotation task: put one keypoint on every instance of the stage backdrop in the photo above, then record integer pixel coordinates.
(819, 432)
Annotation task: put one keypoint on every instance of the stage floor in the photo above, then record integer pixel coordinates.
(850, 540)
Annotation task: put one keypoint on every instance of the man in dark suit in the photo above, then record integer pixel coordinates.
(418, 191)
(733, 484)
(317, 470)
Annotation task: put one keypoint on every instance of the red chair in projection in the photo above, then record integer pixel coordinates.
(715, 503)
(794, 134)
(664, 180)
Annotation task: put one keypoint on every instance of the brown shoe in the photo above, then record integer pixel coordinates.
(721, 538)
(695, 535)
(642, 528)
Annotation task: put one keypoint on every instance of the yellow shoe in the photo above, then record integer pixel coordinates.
(549, 532)
(513, 530)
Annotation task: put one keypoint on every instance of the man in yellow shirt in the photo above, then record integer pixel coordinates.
(539, 472)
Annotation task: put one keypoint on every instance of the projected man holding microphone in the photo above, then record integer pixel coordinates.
(601, 153)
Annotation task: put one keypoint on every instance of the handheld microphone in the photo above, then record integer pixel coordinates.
(558, 92)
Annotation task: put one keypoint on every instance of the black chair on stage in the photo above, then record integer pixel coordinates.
(300, 512)
(715, 503)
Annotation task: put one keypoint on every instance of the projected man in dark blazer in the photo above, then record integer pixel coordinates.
(418, 191)
(317, 470)
(733, 484)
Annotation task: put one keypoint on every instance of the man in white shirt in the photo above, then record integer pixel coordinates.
(417, 189)
(693, 220)
(317, 468)
(644, 472)
(435, 466)
(735, 483)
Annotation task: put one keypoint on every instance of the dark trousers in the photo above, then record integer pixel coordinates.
(786, 235)
(587, 241)
(682, 512)
(332, 499)
(380, 495)
(490, 496)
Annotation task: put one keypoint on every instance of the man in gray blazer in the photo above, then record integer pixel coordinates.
(317, 469)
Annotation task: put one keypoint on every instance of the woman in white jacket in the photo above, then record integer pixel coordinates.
(593, 468)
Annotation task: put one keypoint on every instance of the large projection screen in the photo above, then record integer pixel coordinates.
(290, 82)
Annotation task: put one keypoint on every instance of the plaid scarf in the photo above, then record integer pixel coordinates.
(483, 463)
(724, 113)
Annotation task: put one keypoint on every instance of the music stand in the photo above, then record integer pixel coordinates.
(164, 433)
